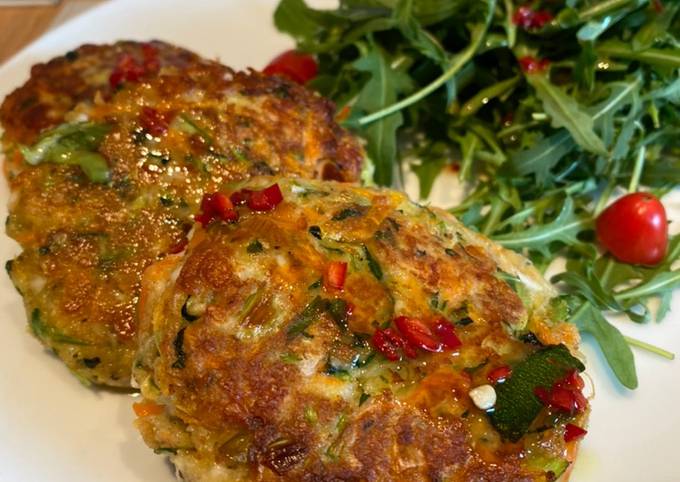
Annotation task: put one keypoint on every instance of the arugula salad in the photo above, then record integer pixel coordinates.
(548, 111)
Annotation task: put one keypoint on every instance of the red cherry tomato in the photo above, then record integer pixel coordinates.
(296, 66)
(634, 229)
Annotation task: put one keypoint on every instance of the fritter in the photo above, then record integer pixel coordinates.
(97, 199)
(56, 87)
(342, 333)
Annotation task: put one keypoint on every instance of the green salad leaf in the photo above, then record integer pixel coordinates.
(438, 83)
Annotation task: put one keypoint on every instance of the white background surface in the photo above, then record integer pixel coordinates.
(54, 430)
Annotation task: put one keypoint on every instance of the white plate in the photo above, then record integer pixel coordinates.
(54, 430)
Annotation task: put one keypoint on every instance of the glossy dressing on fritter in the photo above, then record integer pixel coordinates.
(254, 368)
(99, 198)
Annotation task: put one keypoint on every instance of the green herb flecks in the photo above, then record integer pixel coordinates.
(373, 265)
(312, 312)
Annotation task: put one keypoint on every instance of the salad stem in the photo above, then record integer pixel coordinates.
(601, 8)
(650, 348)
(478, 34)
(637, 170)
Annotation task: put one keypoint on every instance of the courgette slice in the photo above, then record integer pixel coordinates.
(516, 405)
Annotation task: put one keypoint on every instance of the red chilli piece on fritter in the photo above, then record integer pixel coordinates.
(216, 206)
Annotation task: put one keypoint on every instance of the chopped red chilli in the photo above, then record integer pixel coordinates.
(398, 340)
(216, 206)
(382, 343)
(573, 432)
(152, 63)
(266, 199)
(153, 121)
(565, 395)
(335, 275)
(263, 200)
(130, 70)
(447, 334)
(239, 198)
(530, 19)
(418, 334)
(499, 374)
(533, 65)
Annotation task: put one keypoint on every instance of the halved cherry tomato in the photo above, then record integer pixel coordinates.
(266, 199)
(335, 275)
(447, 334)
(634, 229)
(573, 432)
(296, 66)
(418, 334)
(499, 374)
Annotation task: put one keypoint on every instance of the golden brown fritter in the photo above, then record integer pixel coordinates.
(96, 200)
(57, 86)
(254, 365)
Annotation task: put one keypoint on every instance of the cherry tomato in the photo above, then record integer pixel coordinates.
(296, 66)
(634, 229)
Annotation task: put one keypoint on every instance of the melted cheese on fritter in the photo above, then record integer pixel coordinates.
(251, 401)
(85, 245)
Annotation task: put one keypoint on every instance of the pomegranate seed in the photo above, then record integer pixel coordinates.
(335, 275)
(447, 334)
(499, 374)
(573, 432)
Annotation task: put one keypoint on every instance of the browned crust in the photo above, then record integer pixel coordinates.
(420, 426)
(89, 243)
